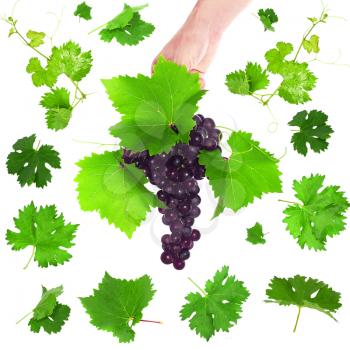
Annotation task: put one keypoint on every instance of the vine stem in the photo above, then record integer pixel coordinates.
(225, 127)
(24, 317)
(197, 286)
(26, 42)
(266, 102)
(305, 36)
(99, 27)
(308, 32)
(30, 259)
(297, 320)
(95, 143)
(290, 202)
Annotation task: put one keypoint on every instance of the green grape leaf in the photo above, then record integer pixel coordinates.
(319, 215)
(40, 75)
(68, 59)
(250, 172)
(276, 57)
(47, 302)
(31, 165)
(127, 28)
(46, 232)
(11, 32)
(115, 190)
(52, 323)
(313, 130)
(246, 82)
(217, 307)
(36, 38)
(48, 313)
(83, 10)
(312, 44)
(303, 292)
(255, 234)
(268, 17)
(298, 80)
(58, 108)
(117, 305)
(151, 107)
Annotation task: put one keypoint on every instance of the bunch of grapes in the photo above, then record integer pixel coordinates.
(176, 174)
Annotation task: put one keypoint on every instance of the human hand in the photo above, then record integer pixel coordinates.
(195, 44)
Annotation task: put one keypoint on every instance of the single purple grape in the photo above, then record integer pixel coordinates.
(166, 258)
(175, 161)
(184, 208)
(176, 227)
(175, 238)
(196, 200)
(184, 254)
(198, 118)
(208, 123)
(178, 264)
(210, 144)
(195, 212)
(196, 235)
(172, 202)
(166, 239)
(187, 243)
(187, 221)
(162, 196)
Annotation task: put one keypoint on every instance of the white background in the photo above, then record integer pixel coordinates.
(100, 247)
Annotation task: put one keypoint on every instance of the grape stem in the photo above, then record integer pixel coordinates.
(30, 259)
(198, 287)
(290, 202)
(24, 317)
(150, 321)
(297, 320)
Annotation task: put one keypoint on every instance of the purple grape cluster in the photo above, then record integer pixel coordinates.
(176, 174)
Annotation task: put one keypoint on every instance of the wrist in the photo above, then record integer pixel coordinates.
(205, 20)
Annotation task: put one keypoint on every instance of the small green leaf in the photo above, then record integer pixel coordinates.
(218, 307)
(40, 75)
(83, 11)
(36, 38)
(11, 32)
(116, 306)
(69, 59)
(49, 314)
(31, 165)
(246, 82)
(312, 44)
(47, 302)
(127, 28)
(303, 292)
(46, 232)
(255, 234)
(313, 130)
(298, 80)
(58, 108)
(268, 17)
(52, 323)
(321, 213)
